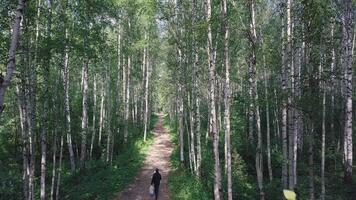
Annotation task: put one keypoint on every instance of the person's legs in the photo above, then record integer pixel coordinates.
(156, 191)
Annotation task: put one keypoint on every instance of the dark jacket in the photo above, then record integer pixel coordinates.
(156, 178)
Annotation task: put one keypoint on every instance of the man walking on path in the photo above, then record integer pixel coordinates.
(156, 179)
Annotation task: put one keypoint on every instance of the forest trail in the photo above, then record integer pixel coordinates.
(158, 157)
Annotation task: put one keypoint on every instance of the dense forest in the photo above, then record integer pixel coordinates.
(257, 95)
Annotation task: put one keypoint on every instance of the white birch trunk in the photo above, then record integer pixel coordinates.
(10, 67)
(284, 117)
(180, 123)
(94, 119)
(268, 125)
(66, 105)
(212, 98)
(24, 136)
(192, 135)
(59, 169)
(84, 114)
(127, 99)
(311, 162)
(253, 82)
(102, 112)
(322, 175)
(227, 99)
(146, 79)
(54, 164)
(347, 66)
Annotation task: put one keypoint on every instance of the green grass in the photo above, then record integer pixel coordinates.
(100, 181)
(181, 183)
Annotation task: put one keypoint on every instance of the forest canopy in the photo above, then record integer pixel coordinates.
(257, 94)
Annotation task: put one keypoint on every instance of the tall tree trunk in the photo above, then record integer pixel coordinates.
(332, 109)
(346, 20)
(94, 119)
(59, 169)
(192, 129)
(253, 82)
(292, 118)
(181, 122)
(186, 117)
(54, 164)
(195, 100)
(24, 136)
(112, 149)
(108, 126)
(268, 125)
(102, 112)
(119, 101)
(66, 105)
(44, 132)
(197, 121)
(31, 120)
(276, 115)
(127, 99)
(84, 113)
(45, 120)
(212, 104)
(146, 79)
(311, 162)
(284, 116)
(10, 67)
(227, 99)
(124, 81)
(297, 120)
(218, 100)
(322, 176)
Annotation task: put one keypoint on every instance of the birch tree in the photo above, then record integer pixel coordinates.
(227, 96)
(84, 113)
(212, 104)
(346, 21)
(10, 67)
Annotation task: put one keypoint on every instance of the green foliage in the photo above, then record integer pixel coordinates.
(102, 181)
(182, 184)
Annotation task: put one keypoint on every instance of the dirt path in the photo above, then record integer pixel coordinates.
(158, 157)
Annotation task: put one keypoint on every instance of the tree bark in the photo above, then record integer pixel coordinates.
(346, 20)
(102, 112)
(59, 169)
(24, 136)
(180, 123)
(94, 119)
(10, 67)
(108, 125)
(54, 164)
(146, 79)
(291, 112)
(284, 117)
(322, 176)
(253, 85)
(84, 113)
(212, 98)
(127, 99)
(276, 115)
(311, 162)
(332, 71)
(66, 105)
(268, 125)
(196, 100)
(227, 98)
(45, 120)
